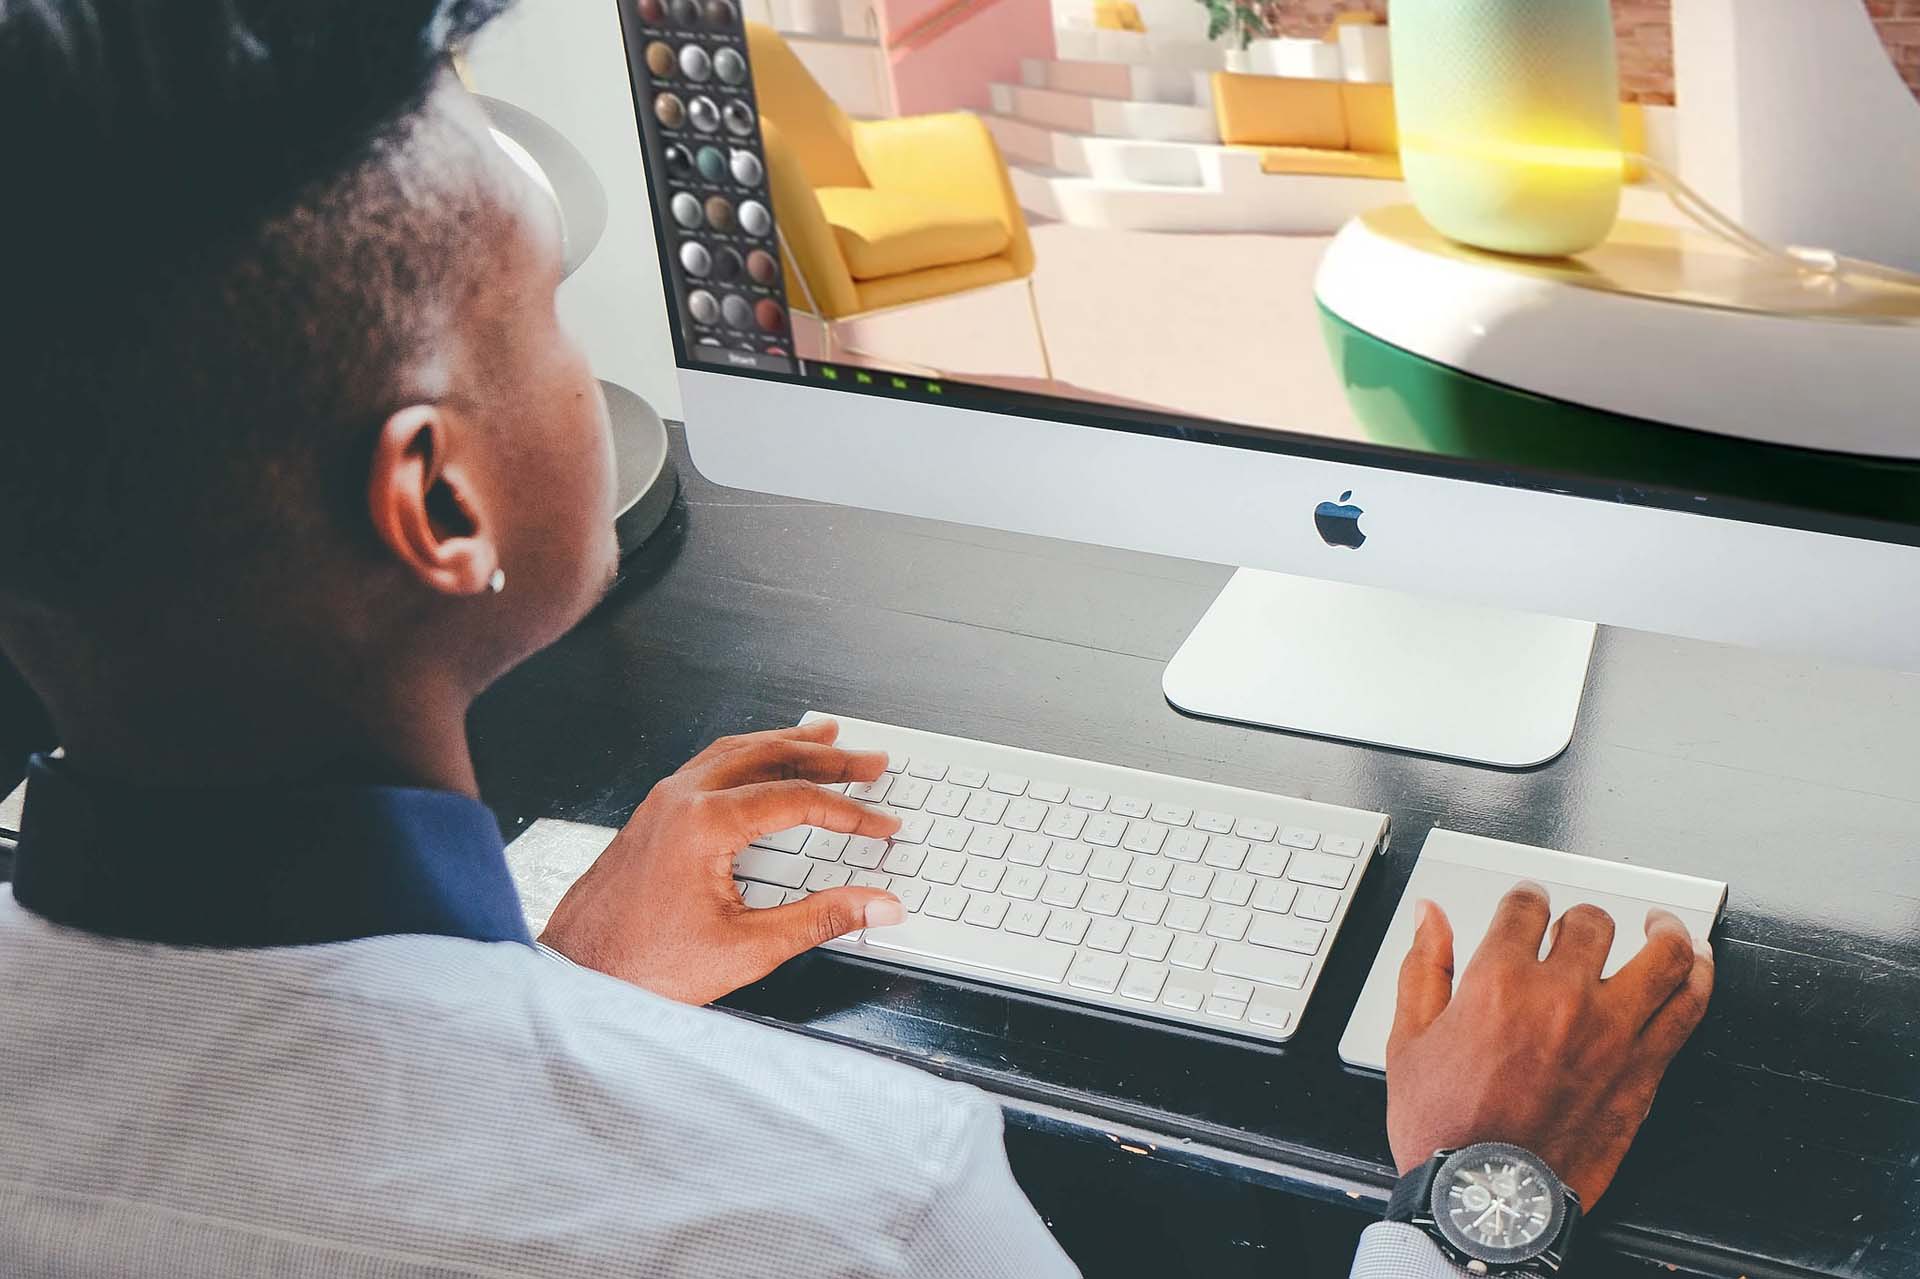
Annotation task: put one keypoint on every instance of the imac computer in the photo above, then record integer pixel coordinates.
(1101, 278)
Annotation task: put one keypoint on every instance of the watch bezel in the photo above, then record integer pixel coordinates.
(1474, 1248)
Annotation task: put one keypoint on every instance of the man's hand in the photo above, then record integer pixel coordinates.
(1537, 1052)
(659, 908)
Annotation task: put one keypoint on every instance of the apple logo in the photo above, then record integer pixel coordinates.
(1339, 523)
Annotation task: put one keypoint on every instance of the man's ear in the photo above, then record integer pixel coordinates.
(425, 505)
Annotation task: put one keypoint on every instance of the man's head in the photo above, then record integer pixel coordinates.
(281, 379)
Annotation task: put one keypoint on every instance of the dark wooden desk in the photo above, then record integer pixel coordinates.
(1787, 1138)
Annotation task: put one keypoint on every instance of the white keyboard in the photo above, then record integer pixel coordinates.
(1126, 890)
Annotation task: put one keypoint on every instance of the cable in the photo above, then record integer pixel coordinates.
(1800, 258)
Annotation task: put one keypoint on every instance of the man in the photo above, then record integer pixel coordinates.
(295, 459)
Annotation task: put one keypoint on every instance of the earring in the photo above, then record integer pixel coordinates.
(498, 582)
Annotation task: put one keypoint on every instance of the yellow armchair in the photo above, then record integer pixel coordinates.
(875, 214)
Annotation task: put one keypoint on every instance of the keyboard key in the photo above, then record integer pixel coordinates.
(1186, 846)
(1214, 823)
(914, 828)
(1064, 822)
(971, 778)
(908, 792)
(904, 859)
(864, 852)
(1143, 907)
(1103, 899)
(1190, 881)
(1317, 903)
(761, 896)
(790, 840)
(1286, 933)
(989, 841)
(985, 806)
(1143, 981)
(825, 845)
(1191, 952)
(1299, 837)
(1320, 870)
(896, 763)
(1342, 845)
(946, 800)
(1185, 914)
(1023, 883)
(1067, 926)
(871, 792)
(1105, 829)
(985, 911)
(1110, 864)
(1227, 852)
(1109, 934)
(1187, 991)
(1257, 829)
(944, 867)
(982, 874)
(1171, 814)
(932, 770)
(945, 903)
(994, 951)
(1144, 837)
(769, 867)
(1070, 857)
(1232, 887)
(1225, 1009)
(1130, 806)
(1274, 967)
(1047, 792)
(1063, 890)
(827, 875)
(1092, 971)
(1228, 922)
(1026, 919)
(1029, 850)
(1150, 872)
(870, 879)
(1025, 814)
(950, 833)
(911, 892)
(1007, 783)
(1267, 1010)
(1094, 801)
(1150, 943)
(1275, 895)
(1231, 988)
(1269, 861)
(788, 896)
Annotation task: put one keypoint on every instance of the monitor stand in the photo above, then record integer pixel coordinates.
(1386, 669)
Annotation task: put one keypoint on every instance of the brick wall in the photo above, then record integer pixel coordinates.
(1646, 36)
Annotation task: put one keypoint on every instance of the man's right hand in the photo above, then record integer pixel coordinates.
(1541, 1053)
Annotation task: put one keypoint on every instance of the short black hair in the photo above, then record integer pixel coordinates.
(224, 234)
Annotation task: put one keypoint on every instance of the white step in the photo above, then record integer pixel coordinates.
(1105, 117)
(1090, 44)
(1116, 159)
(1233, 197)
(1110, 80)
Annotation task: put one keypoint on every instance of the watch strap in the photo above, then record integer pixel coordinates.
(1412, 1194)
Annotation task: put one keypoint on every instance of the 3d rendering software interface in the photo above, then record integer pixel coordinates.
(1022, 205)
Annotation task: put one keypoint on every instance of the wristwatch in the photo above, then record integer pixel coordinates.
(1493, 1208)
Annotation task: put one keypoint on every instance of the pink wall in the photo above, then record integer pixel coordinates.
(952, 71)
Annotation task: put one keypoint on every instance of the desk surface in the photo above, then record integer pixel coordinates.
(1787, 1138)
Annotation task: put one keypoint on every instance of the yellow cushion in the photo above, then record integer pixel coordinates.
(884, 233)
(1370, 121)
(1117, 15)
(1278, 111)
(1633, 139)
(936, 282)
(1339, 164)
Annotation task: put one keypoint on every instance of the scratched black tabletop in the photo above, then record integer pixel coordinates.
(1787, 1138)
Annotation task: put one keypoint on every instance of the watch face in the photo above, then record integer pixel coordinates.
(1497, 1203)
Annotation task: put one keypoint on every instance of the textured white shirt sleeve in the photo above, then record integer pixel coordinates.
(1395, 1250)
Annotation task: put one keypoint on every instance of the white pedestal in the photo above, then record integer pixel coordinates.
(1384, 668)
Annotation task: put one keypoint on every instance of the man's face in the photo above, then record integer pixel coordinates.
(542, 418)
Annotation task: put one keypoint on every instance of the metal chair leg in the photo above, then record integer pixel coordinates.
(1039, 329)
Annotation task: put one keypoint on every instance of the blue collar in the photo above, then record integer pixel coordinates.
(238, 867)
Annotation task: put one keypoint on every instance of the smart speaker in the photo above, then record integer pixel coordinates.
(1509, 114)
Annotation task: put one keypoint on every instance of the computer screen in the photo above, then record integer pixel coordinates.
(1231, 223)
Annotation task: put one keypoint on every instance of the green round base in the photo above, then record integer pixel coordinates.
(1406, 401)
